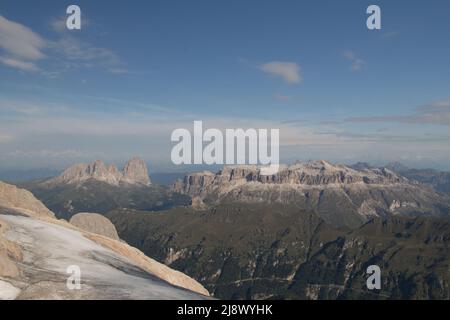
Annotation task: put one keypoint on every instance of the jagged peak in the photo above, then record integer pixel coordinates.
(134, 172)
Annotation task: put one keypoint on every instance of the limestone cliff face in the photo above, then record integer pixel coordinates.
(135, 173)
(36, 249)
(314, 173)
(341, 195)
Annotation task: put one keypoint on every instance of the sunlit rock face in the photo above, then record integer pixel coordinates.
(135, 172)
(341, 195)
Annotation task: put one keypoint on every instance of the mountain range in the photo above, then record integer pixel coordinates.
(307, 232)
(340, 195)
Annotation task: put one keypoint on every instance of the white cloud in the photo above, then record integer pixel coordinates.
(65, 135)
(46, 153)
(76, 53)
(22, 48)
(436, 113)
(58, 24)
(20, 41)
(389, 34)
(288, 71)
(357, 63)
(19, 64)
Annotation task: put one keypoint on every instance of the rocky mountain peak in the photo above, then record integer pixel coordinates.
(135, 173)
(396, 166)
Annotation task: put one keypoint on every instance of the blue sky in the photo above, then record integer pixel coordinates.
(139, 69)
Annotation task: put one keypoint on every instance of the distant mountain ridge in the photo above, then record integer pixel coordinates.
(340, 194)
(135, 172)
(97, 187)
(439, 180)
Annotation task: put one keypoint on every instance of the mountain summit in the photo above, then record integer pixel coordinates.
(135, 173)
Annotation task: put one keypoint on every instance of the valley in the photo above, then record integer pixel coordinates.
(281, 252)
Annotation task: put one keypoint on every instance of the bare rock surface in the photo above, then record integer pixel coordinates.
(95, 223)
(11, 196)
(341, 195)
(135, 173)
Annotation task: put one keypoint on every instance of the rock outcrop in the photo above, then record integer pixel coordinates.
(13, 197)
(340, 194)
(95, 223)
(135, 173)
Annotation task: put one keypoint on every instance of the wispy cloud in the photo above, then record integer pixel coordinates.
(59, 24)
(46, 153)
(77, 54)
(434, 113)
(357, 63)
(19, 64)
(389, 34)
(384, 137)
(288, 71)
(14, 107)
(41, 135)
(20, 46)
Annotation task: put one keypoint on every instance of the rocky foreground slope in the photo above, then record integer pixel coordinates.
(341, 195)
(36, 251)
